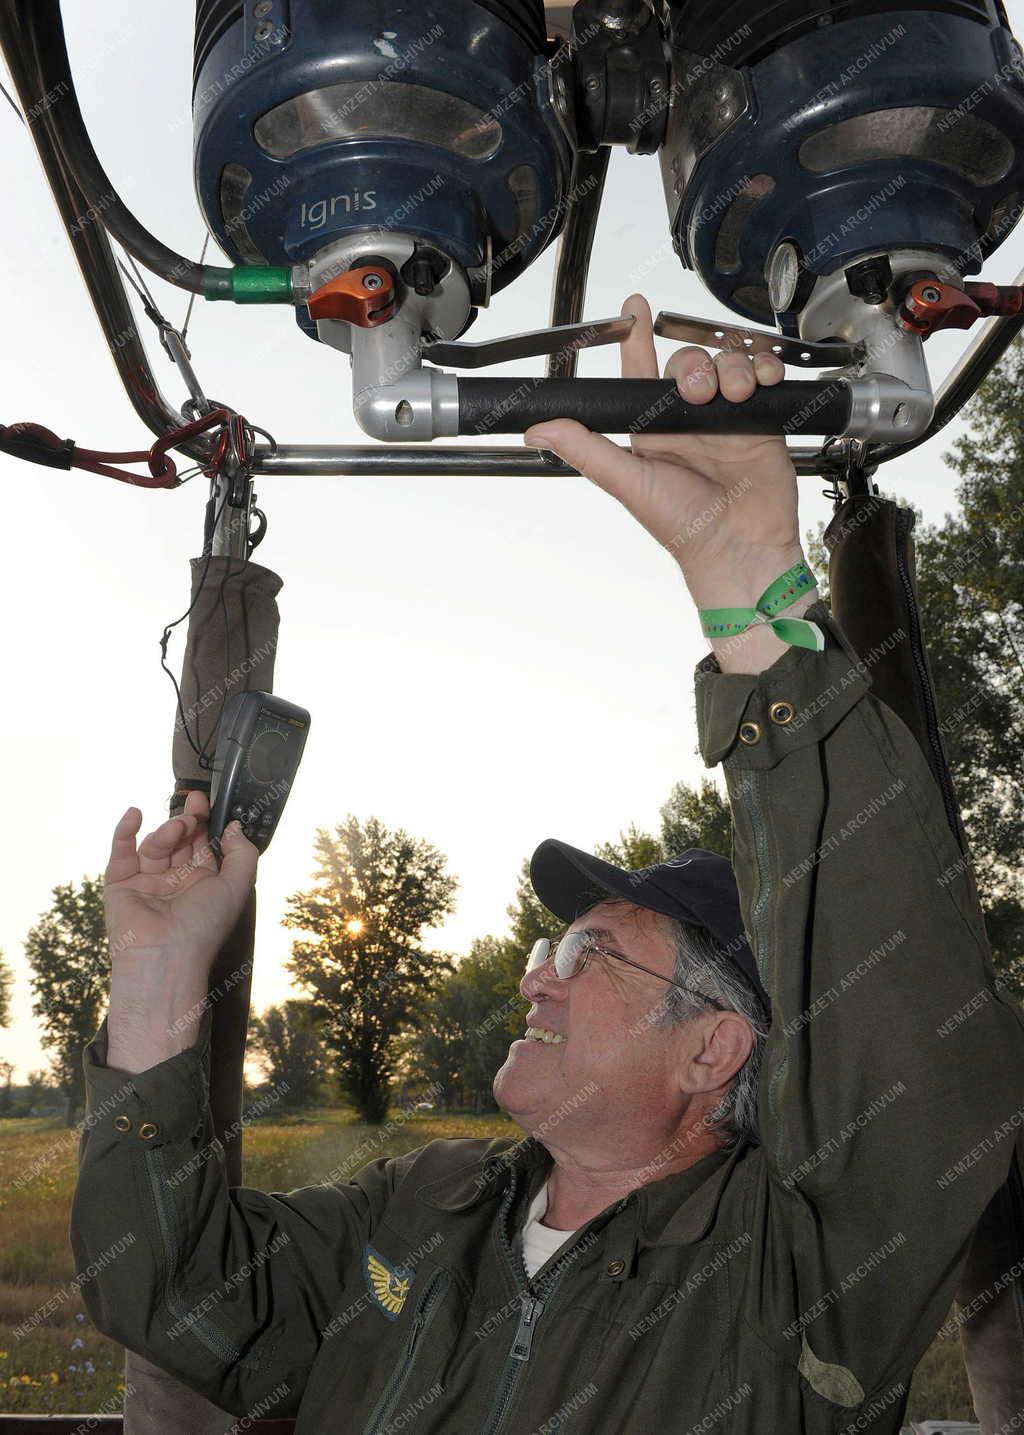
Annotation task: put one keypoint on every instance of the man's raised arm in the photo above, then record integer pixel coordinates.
(892, 1090)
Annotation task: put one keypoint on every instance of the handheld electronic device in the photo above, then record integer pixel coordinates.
(258, 752)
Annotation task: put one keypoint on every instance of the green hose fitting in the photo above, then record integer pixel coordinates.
(249, 284)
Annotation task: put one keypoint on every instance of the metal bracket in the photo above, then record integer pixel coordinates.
(851, 472)
(530, 345)
(708, 98)
(757, 341)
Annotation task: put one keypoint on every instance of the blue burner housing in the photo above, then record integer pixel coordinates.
(866, 128)
(315, 119)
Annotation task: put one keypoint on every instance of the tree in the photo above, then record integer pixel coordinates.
(363, 961)
(6, 990)
(6, 1095)
(690, 817)
(970, 570)
(492, 973)
(529, 917)
(633, 850)
(439, 1047)
(696, 817)
(463, 1032)
(67, 951)
(287, 1040)
(37, 1085)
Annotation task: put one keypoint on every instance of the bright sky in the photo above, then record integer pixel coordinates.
(488, 662)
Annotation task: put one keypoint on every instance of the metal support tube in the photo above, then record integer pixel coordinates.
(89, 241)
(586, 188)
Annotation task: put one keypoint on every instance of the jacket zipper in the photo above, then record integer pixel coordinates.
(903, 525)
(423, 1315)
(202, 1328)
(532, 1308)
(750, 786)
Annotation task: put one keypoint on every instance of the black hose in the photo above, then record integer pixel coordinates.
(820, 406)
(45, 26)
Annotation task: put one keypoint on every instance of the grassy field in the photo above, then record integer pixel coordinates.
(63, 1364)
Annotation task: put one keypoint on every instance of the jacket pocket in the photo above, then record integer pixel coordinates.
(427, 1307)
(209, 1330)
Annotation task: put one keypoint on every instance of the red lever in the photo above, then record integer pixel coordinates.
(363, 296)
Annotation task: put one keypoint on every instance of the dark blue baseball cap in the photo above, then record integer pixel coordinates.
(697, 886)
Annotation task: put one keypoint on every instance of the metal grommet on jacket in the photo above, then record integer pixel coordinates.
(750, 732)
(123, 1123)
(782, 712)
(148, 1129)
(615, 1267)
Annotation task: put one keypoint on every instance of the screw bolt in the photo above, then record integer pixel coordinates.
(421, 276)
(372, 281)
(263, 8)
(723, 92)
(727, 112)
(593, 83)
(931, 295)
(263, 30)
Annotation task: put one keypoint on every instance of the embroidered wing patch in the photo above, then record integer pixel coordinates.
(389, 1285)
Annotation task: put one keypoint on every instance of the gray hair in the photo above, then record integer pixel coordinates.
(701, 962)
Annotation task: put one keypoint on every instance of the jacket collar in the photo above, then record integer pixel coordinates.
(488, 1175)
(677, 1209)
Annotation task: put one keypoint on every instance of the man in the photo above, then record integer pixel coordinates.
(710, 1225)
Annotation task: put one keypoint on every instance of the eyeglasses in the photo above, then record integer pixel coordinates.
(573, 951)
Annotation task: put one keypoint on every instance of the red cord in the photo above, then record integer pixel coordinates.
(40, 445)
(162, 470)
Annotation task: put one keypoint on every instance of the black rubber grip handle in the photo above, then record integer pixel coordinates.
(794, 406)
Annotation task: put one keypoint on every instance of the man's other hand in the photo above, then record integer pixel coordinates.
(166, 898)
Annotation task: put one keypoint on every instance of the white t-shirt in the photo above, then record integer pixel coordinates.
(540, 1242)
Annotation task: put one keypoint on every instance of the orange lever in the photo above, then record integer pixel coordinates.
(363, 296)
(931, 305)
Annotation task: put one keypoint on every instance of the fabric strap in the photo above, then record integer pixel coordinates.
(786, 589)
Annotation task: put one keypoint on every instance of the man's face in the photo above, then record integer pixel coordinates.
(615, 1067)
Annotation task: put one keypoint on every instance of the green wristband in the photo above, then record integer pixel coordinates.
(786, 589)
